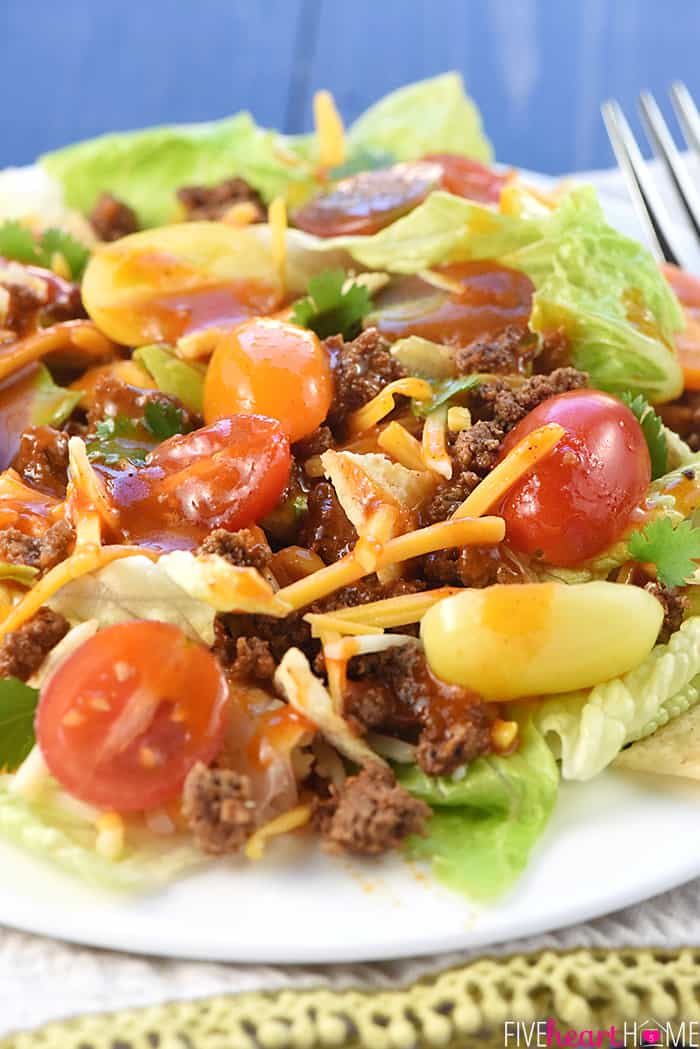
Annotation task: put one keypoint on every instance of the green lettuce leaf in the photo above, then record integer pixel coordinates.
(589, 727)
(145, 168)
(173, 376)
(59, 834)
(485, 825)
(430, 116)
(607, 293)
(604, 289)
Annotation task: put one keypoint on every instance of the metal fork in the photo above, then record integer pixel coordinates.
(645, 195)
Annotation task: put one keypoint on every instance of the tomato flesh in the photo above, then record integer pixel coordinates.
(578, 500)
(469, 178)
(275, 369)
(227, 475)
(687, 288)
(125, 718)
(366, 203)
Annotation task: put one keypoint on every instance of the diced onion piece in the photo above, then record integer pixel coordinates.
(254, 848)
(329, 130)
(375, 410)
(348, 647)
(434, 445)
(519, 461)
(402, 446)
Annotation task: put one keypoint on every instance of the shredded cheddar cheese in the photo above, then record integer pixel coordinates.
(277, 219)
(402, 446)
(380, 615)
(81, 334)
(329, 130)
(324, 623)
(458, 419)
(445, 534)
(375, 410)
(110, 835)
(434, 445)
(526, 454)
(254, 848)
(381, 526)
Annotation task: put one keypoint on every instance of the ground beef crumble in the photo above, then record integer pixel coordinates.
(473, 566)
(42, 459)
(325, 528)
(316, 443)
(22, 651)
(506, 353)
(506, 405)
(210, 203)
(674, 604)
(361, 369)
(112, 219)
(370, 814)
(42, 552)
(218, 807)
(246, 548)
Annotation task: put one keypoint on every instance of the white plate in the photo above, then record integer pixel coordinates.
(612, 842)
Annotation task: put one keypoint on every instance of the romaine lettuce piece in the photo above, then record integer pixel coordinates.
(588, 728)
(145, 168)
(57, 834)
(604, 289)
(430, 116)
(486, 823)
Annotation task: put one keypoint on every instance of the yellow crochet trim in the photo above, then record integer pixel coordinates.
(456, 1009)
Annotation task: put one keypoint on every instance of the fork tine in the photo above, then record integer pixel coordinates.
(662, 143)
(645, 196)
(687, 113)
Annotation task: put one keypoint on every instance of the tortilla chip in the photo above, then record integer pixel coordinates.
(362, 482)
(673, 750)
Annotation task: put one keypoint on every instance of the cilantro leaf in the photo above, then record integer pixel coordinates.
(363, 159)
(653, 430)
(163, 419)
(18, 243)
(445, 391)
(330, 310)
(117, 440)
(674, 551)
(54, 241)
(18, 704)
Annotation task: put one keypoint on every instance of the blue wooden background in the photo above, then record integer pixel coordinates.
(538, 68)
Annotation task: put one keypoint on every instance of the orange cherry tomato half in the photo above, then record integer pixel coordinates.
(227, 475)
(124, 719)
(366, 203)
(578, 500)
(469, 178)
(687, 288)
(274, 368)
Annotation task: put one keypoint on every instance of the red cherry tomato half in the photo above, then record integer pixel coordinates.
(274, 368)
(578, 500)
(227, 475)
(468, 178)
(687, 288)
(366, 203)
(124, 719)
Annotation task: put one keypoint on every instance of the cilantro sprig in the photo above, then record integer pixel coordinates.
(21, 245)
(653, 430)
(332, 307)
(120, 439)
(445, 392)
(674, 550)
(18, 704)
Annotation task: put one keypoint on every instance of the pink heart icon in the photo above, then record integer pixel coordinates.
(651, 1037)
